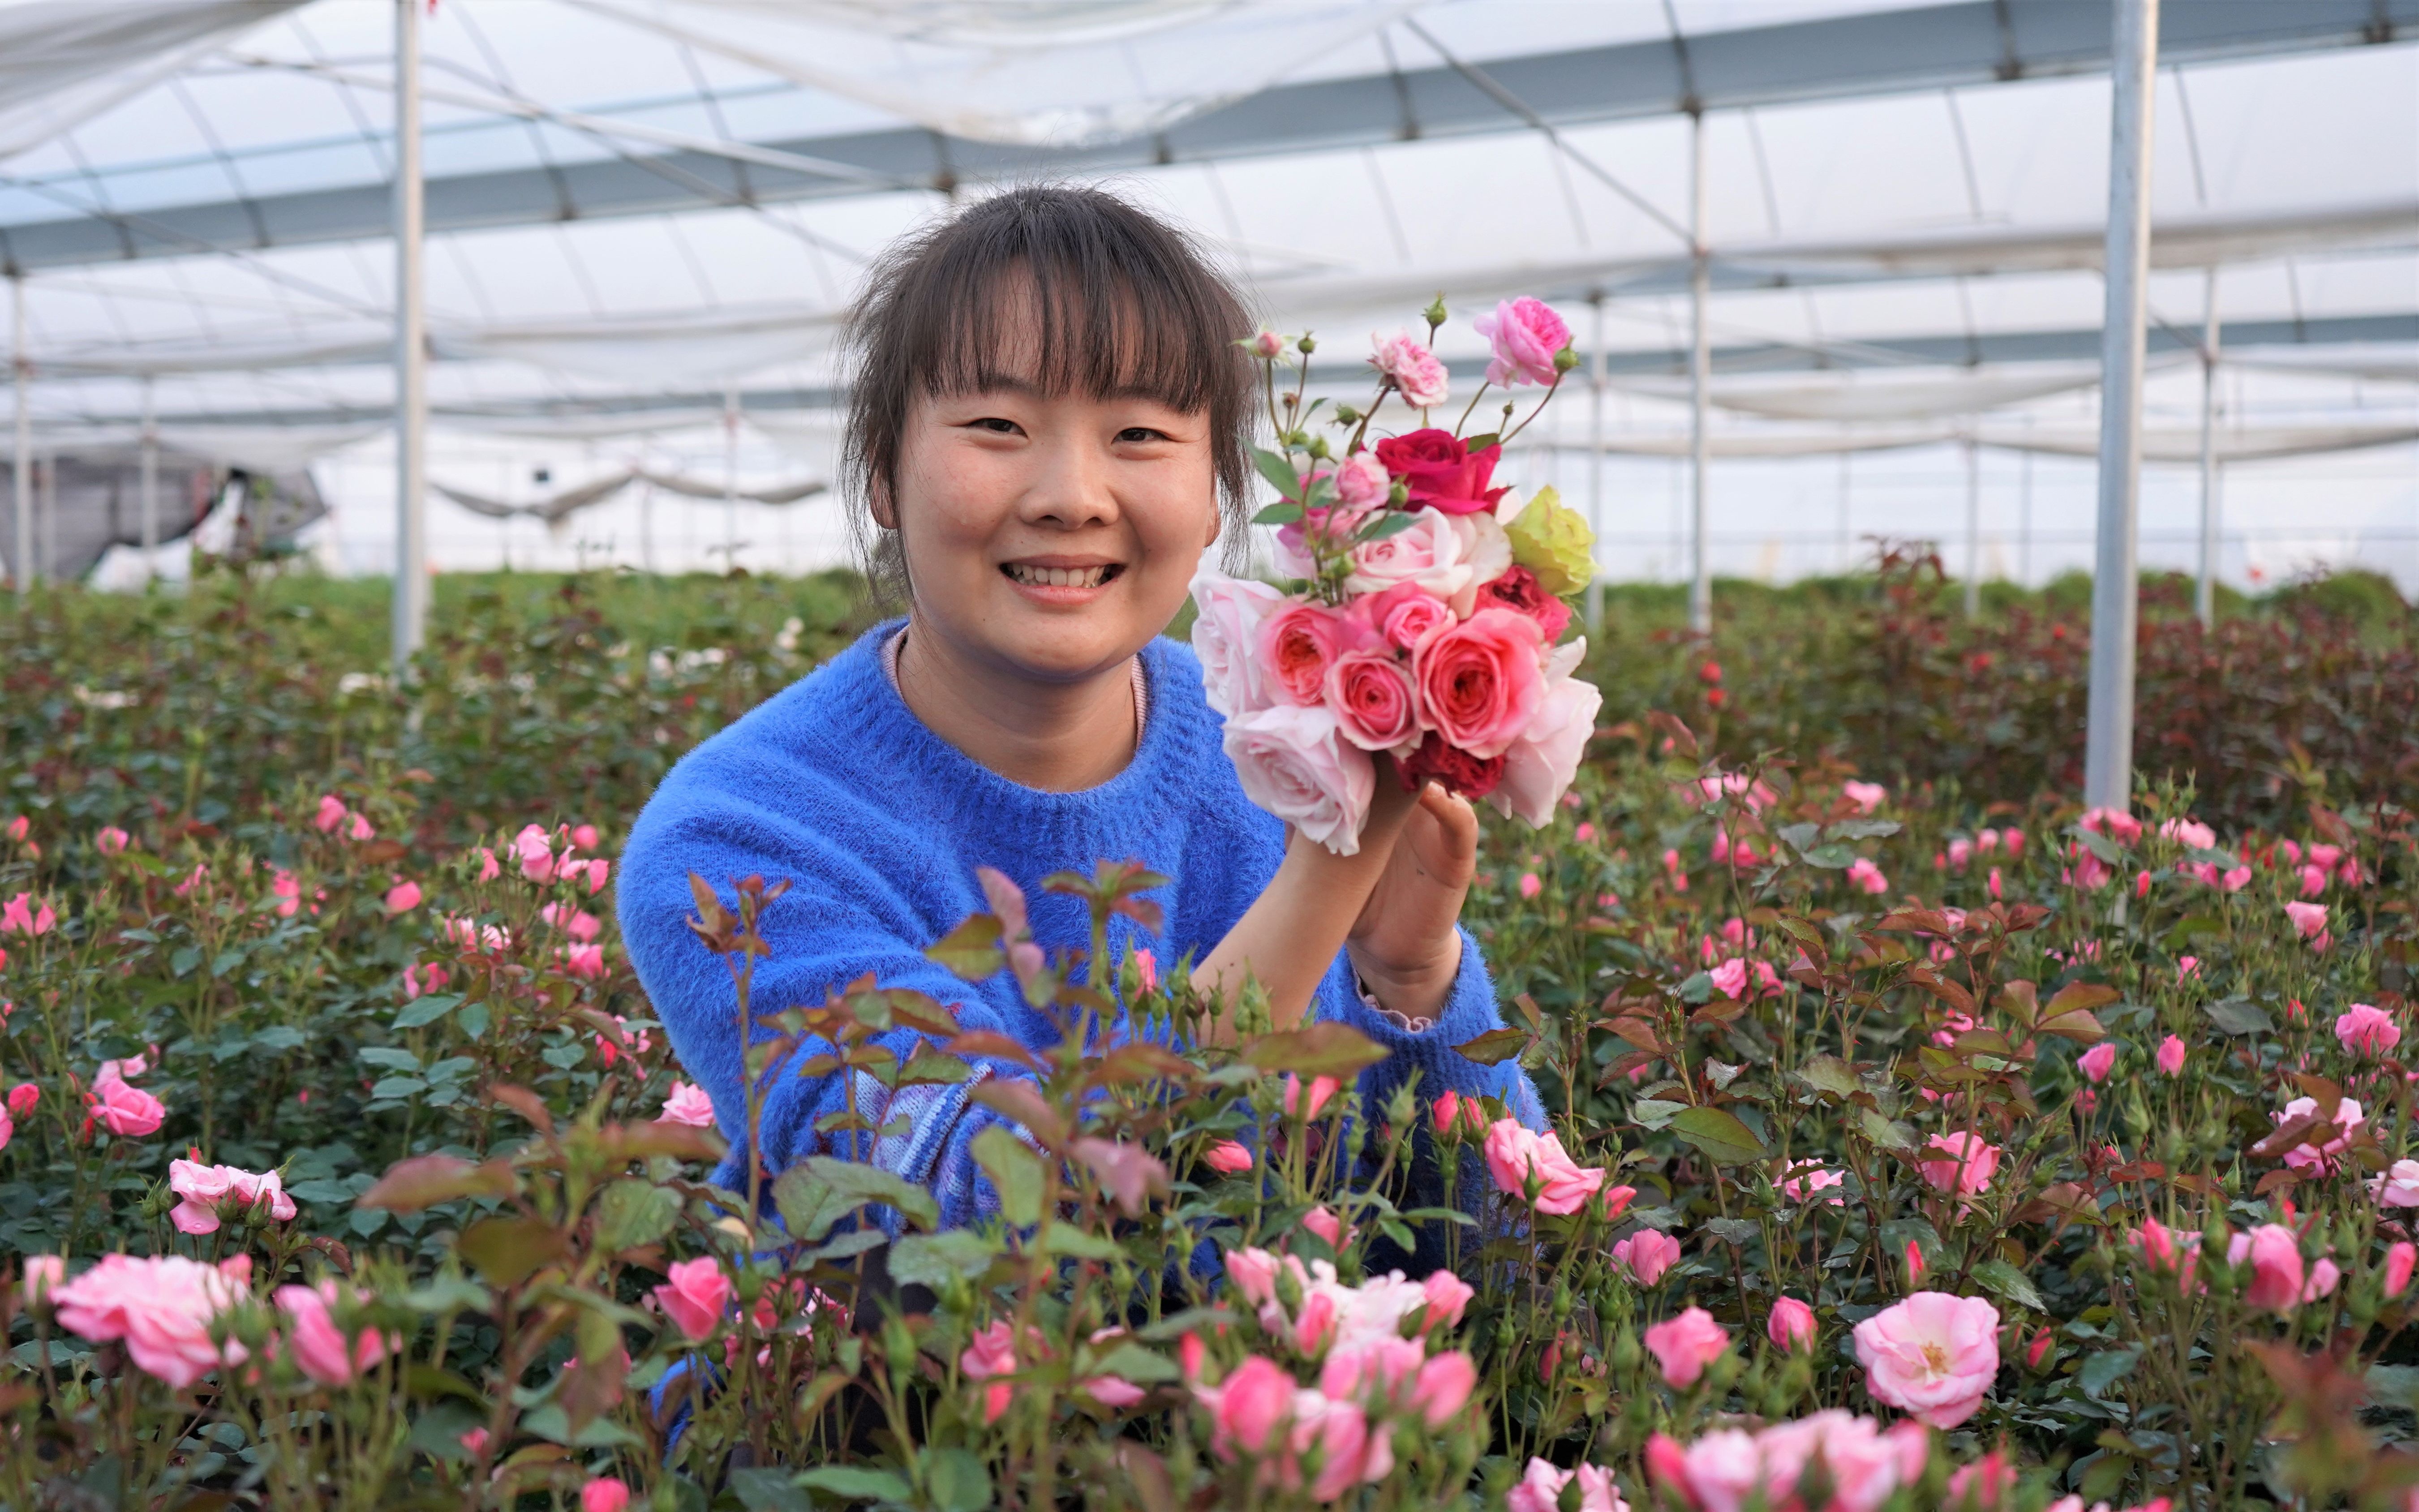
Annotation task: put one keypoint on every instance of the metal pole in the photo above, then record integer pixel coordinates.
(150, 490)
(2205, 592)
(1973, 529)
(2024, 523)
(730, 480)
(1595, 471)
(1700, 590)
(2108, 736)
(1846, 562)
(46, 560)
(21, 544)
(410, 352)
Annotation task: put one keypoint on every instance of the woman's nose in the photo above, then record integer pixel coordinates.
(1070, 488)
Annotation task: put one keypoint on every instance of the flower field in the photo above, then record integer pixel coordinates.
(1920, 1139)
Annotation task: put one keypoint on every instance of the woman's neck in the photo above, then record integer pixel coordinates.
(1059, 737)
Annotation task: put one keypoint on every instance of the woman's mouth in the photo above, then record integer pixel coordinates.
(1033, 577)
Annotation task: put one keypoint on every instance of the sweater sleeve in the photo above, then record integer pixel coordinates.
(1470, 1010)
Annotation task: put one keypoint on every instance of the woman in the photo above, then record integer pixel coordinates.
(1047, 404)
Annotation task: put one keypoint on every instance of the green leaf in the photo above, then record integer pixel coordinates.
(508, 1251)
(1133, 1363)
(634, 1212)
(2010, 1283)
(768, 1490)
(1336, 1050)
(2102, 1370)
(1285, 512)
(855, 1482)
(861, 1183)
(398, 1087)
(1383, 523)
(1480, 442)
(2239, 1015)
(1278, 470)
(279, 1037)
(427, 1008)
(1719, 1133)
(1015, 1173)
(807, 1204)
(1882, 1131)
(932, 1259)
(391, 1059)
(1494, 1047)
(1829, 1073)
(971, 950)
(1800, 837)
(1731, 1231)
(1861, 829)
(1079, 1243)
(2097, 843)
(1832, 856)
(1655, 1112)
(958, 1480)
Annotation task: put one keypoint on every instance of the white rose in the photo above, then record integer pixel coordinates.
(1429, 553)
(1485, 551)
(1226, 638)
(1295, 763)
(1539, 765)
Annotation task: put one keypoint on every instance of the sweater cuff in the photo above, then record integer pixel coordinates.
(1468, 1010)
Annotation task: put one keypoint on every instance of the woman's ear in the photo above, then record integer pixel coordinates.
(1216, 520)
(879, 504)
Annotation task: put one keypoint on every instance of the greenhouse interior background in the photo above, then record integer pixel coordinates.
(645, 219)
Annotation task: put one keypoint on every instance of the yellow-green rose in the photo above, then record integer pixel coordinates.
(1553, 542)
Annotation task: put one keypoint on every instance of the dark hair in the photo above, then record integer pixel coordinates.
(1127, 304)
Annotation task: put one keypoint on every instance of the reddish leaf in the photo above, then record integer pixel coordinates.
(994, 1045)
(527, 1104)
(424, 1180)
(1493, 1047)
(1020, 1102)
(1336, 1050)
(2082, 996)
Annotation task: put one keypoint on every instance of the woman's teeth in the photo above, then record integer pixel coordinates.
(1060, 577)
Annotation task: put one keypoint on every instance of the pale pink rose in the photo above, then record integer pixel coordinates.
(1447, 1294)
(1525, 334)
(2113, 822)
(1297, 642)
(1730, 979)
(359, 828)
(1413, 368)
(126, 1111)
(2320, 1159)
(1267, 346)
(1430, 555)
(43, 1272)
(2367, 1030)
(489, 869)
(2398, 1187)
(1296, 763)
(1371, 693)
(1514, 1155)
(2309, 919)
(1725, 1470)
(209, 1191)
(1479, 682)
(2276, 1274)
(160, 1307)
(1442, 1387)
(1807, 1178)
(1791, 1325)
(1960, 1163)
(1250, 1409)
(1932, 1355)
(1254, 1272)
(1349, 1452)
(2171, 1056)
(1867, 796)
(2401, 1257)
(1361, 482)
(1487, 549)
(2097, 1061)
(536, 853)
(1539, 765)
(1229, 1158)
(2324, 1275)
(1113, 1392)
(695, 1296)
(2189, 834)
(1541, 1487)
(1403, 615)
(1646, 1255)
(586, 962)
(689, 1104)
(989, 1355)
(1684, 1345)
(318, 1343)
(603, 1494)
(1226, 638)
(1375, 1369)
(403, 898)
(1866, 877)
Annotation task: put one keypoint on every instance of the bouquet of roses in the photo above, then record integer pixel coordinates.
(1422, 615)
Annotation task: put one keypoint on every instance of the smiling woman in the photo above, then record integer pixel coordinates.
(1048, 408)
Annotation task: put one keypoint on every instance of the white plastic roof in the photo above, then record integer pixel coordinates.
(646, 204)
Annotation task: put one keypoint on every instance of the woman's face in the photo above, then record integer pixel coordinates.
(1051, 537)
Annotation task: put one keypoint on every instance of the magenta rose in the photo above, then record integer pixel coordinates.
(1525, 334)
(1371, 694)
(1403, 615)
(1518, 589)
(1479, 682)
(1440, 473)
(1298, 642)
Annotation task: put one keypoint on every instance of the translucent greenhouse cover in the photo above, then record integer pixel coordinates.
(652, 213)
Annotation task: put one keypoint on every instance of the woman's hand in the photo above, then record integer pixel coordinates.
(1404, 944)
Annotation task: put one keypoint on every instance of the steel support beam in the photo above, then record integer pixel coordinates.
(410, 618)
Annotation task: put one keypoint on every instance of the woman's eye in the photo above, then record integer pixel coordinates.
(996, 425)
(1139, 435)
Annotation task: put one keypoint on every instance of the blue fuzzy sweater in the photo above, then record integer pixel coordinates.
(878, 825)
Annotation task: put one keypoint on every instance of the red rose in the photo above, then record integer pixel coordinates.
(1519, 591)
(1440, 473)
(1450, 767)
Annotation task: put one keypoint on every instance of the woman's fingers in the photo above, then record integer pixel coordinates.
(1451, 848)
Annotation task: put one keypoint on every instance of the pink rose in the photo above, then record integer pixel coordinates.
(1443, 1385)
(1539, 765)
(160, 1307)
(1446, 1294)
(1514, 1155)
(2113, 822)
(1403, 615)
(1440, 473)
(1960, 1163)
(2309, 919)
(1684, 1345)
(1296, 763)
(1541, 1485)
(1517, 588)
(1791, 1325)
(1226, 638)
(23, 1099)
(1370, 692)
(2171, 1056)
(603, 1494)
(1249, 1408)
(1479, 682)
(1865, 876)
(1229, 1158)
(2400, 1256)
(2097, 1060)
(1430, 554)
(2168, 1252)
(536, 853)
(1297, 642)
(1867, 796)
(1255, 1274)
(2367, 1030)
(331, 814)
(990, 1354)
(1361, 483)
(1349, 1453)
(110, 841)
(1525, 334)
(43, 1272)
(403, 898)
(696, 1295)
(27, 915)
(209, 1191)
(1932, 1355)
(1730, 979)
(689, 1104)
(1646, 1255)
(2398, 1187)
(2320, 1158)
(586, 962)
(318, 1343)
(2276, 1274)
(1412, 368)
(126, 1111)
